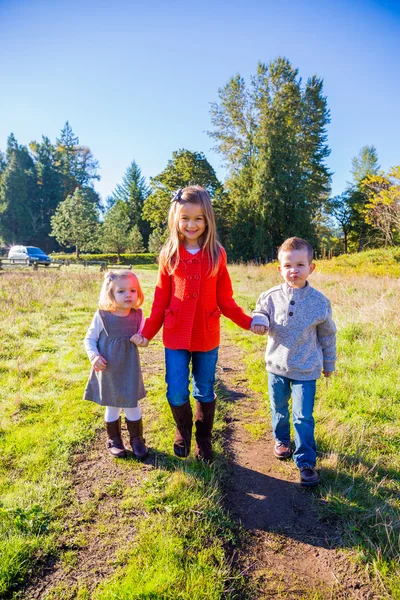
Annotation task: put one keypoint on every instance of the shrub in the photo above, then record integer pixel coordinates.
(125, 259)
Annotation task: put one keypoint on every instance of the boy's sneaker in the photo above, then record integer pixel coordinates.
(282, 451)
(308, 476)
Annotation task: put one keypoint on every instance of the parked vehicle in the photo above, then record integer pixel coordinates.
(30, 253)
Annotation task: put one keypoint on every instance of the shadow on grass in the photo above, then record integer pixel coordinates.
(364, 497)
(353, 507)
(263, 502)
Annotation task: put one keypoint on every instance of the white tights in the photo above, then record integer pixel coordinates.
(112, 413)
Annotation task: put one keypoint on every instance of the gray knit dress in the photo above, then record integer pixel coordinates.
(121, 383)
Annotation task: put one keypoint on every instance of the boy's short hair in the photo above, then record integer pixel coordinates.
(296, 243)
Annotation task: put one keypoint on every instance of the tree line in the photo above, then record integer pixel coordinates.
(271, 134)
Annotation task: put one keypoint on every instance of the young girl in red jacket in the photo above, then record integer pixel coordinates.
(193, 289)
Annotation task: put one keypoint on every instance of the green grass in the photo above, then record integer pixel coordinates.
(182, 532)
(358, 413)
(183, 536)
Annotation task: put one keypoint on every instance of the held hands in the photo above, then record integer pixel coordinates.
(139, 340)
(259, 329)
(99, 363)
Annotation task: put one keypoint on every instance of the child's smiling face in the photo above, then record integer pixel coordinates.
(192, 223)
(295, 267)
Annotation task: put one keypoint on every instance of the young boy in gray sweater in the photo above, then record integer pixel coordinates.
(301, 344)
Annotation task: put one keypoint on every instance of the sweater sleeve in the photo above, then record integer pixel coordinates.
(225, 300)
(326, 332)
(261, 313)
(92, 337)
(162, 296)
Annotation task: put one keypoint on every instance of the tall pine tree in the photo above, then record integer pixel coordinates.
(76, 162)
(272, 136)
(49, 189)
(133, 191)
(18, 195)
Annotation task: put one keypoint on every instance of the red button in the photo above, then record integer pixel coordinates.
(195, 260)
(197, 276)
(190, 261)
(187, 295)
(195, 295)
(190, 277)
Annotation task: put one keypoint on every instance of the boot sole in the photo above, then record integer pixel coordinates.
(181, 452)
(122, 455)
(283, 457)
(140, 457)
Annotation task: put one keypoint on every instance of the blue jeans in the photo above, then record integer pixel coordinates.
(177, 375)
(303, 393)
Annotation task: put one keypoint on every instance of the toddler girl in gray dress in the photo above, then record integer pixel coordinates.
(115, 379)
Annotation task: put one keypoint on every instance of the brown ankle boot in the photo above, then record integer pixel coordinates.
(115, 444)
(183, 435)
(204, 422)
(135, 429)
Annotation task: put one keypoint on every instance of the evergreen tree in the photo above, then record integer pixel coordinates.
(76, 162)
(75, 222)
(18, 195)
(133, 191)
(273, 139)
(3, 163)
(115, 229)
(157, 239)
(364, 165)
(49, 189)
(135, 240)
(12, 147)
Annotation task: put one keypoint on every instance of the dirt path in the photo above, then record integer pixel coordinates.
(290, 552)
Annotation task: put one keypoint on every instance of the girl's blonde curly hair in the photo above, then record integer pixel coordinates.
(107, 299)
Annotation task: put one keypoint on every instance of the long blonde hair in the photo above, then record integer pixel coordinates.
(193, 194)
(107, 299)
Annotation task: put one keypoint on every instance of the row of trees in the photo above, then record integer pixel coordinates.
(271, 134)
(35, 180)
(368, 210)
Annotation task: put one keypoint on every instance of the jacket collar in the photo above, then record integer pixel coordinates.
(298, 293)
(185, 255)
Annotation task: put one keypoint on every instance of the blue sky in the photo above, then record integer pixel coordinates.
(135, 79)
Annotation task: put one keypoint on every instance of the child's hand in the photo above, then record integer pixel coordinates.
(327, 373)
(259, 329)
(139, 340)
(99, 363)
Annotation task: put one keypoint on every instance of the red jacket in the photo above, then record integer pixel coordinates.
(190, 303)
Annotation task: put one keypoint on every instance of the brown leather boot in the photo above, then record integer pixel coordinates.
(204, 422)
(183, 435)
(135, 429)
(115, 444)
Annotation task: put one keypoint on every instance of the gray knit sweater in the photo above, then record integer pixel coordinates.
(301, 333)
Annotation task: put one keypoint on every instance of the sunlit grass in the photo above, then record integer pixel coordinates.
(358, 413)
(183, 530)
(182, 536)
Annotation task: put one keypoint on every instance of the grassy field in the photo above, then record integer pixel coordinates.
(184, 537)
